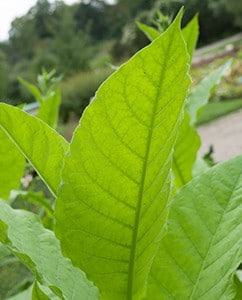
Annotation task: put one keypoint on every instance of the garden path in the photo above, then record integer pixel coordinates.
(225, 134)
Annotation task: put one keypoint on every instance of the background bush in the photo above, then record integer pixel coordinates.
(79, 89)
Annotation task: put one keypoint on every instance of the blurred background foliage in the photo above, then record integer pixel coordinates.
(84, 40)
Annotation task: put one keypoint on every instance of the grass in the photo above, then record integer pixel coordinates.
(215, 110)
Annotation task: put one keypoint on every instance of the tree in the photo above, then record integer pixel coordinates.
(93, 18)
(3, 76)
(42, 13)
(22, 38)
(214, 20)
(70, 45)
(233, 7)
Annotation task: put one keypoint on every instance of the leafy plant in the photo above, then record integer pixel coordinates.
(48, 95)
(128, 213)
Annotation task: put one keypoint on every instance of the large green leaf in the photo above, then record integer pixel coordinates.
(112, 204)
(38, 142)
(12, 165)
(39, 249)
(188, 141)
(185, 153)
(201, 252)
(200, 95)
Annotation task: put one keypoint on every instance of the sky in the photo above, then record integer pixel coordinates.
(10, 9)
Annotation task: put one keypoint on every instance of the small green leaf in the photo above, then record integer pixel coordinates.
(149, 31)
(49, 109)
(32, 89)
(202, 250)
(12, 165)
(199, 95)
(190, 33)
(39, 143)
(39, 250)
(112, 205)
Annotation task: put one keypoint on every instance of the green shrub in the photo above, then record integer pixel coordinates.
(78, 90)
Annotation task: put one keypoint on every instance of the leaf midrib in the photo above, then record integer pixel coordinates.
(131, 271)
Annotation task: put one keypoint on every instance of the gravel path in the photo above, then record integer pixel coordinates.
(225, 134)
